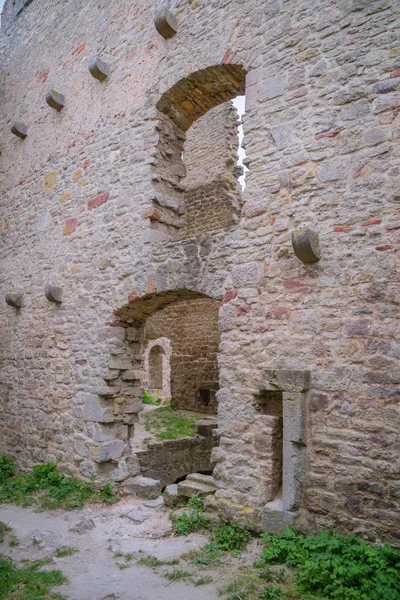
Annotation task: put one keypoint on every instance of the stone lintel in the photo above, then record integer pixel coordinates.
(165, 23)
(15, 299)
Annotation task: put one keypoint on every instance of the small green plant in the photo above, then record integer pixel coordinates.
(148, 398)
(331, 565)
(177, 575)
(272, 593)
(28, 582)
(3, 530)
(202, 581)
(14, 541)
(241, 588)
(7, 468)
(65, 551)
(230, 537)
(270, 574)
(107, 495)
(191, 519)
(152, 561)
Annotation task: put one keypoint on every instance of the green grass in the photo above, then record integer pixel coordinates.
(168, 423)
(28, 582)
(178, 574)
(65, 551)
(47, 488)
(202, 581)
(148, 398)
(152, 561)
(3, 530)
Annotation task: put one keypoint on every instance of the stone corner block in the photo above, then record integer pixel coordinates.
(142, 487)
(15, 299)
(96, 410)
(276, 521)
(292, 380)
(19, 129)
(165, 23)
(171, 496)
(108, 451)
(99, 69)
(53, 293)
(305, 244)
(55, 100)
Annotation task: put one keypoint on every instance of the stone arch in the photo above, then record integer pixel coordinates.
(179, 212)
(157, 367)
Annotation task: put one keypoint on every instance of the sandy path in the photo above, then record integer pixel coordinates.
(93, 572)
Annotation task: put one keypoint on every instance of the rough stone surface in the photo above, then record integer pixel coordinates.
(321, 132)
(143, 487)
(197, 484)
(171, 496)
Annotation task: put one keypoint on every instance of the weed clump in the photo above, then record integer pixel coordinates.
(148, 398)
(230, 537)
(47, 488)
(331, 565)
(191, 519)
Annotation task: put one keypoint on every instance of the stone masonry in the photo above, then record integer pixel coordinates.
(94, 201)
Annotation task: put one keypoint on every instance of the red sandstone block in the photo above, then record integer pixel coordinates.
(329, 134)
(79, 49)
(98, 201)
(70, 226)
(153, 215)
(44, 74)
(340, 228)
(395, 74)
(278, 312)
(243, 309)
(228, 296)
(81, 362)
(383, 248)
(86, 163)
(371, 222)
(133, 296)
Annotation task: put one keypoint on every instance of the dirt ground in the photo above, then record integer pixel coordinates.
(100, 533)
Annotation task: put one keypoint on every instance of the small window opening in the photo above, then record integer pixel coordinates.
(239, 103)
(269, 403)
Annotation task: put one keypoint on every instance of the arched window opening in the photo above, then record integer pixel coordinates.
(196, 167)
(157, 369)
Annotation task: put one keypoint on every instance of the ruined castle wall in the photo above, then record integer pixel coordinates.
(322, 140)
(192, 328)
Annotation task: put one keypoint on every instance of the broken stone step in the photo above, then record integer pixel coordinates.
(200, 478)
(171, 496)
(188, 488)
(143, 487)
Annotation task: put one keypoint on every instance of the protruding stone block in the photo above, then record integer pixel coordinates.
(171, 496)
(109, 451)
(165, 23)
(19, 129)
(15, 299)
(99, 69)
(306, 245)
(97, 410)
(53, 293)
(276, 521)
(55, 100)
(196, 483)
(143, 487)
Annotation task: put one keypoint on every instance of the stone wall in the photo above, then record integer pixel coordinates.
(192, 328)
(92, 200)
(173, 459)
